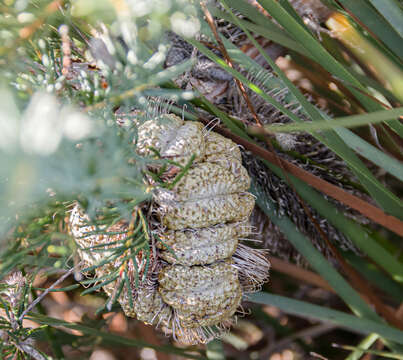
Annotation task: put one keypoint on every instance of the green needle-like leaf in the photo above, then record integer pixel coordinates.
(110, 338)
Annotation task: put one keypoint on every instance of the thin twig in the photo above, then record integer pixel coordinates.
(49, 332)
(313, 331)
(300, 274)
(319, 356)
(228, 60)
(40, 297)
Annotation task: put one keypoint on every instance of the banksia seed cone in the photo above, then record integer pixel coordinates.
(199, 272)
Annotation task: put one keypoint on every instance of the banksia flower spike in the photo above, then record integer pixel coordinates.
(198, 271)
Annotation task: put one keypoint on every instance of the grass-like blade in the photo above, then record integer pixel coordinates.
(301, 308)
(370, 152)
(315, 258)
(375, 276)
(322, 56)
(383, 354)
(110, 338)
(267, 29)
(358, 306)
(376, 22)
(355, 142)
(364, 344)
(383, 196)
(360, 237)
(347, 121)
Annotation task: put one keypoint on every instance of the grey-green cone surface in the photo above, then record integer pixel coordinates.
(198, 270)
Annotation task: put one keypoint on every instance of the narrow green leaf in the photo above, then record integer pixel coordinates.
(287, 6)
(360, 237)
(250, 12)
(268, 30)
(392, 12)
(356, 143)
(322, 56)
(378, 25)
(301, 308)
(5, 308)
(396, 126)
(316, 259)
(370, 152)
(321, 265)
(384, 354)
(110, 338)
(347, 121)
(375, 276)
(383, 196)
(369, 82)
(171, 72)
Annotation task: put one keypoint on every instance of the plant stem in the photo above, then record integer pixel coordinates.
(49, 333)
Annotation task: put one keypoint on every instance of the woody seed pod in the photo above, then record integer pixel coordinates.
(200, 271)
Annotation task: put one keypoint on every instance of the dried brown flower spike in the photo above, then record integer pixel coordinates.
(199, 272)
